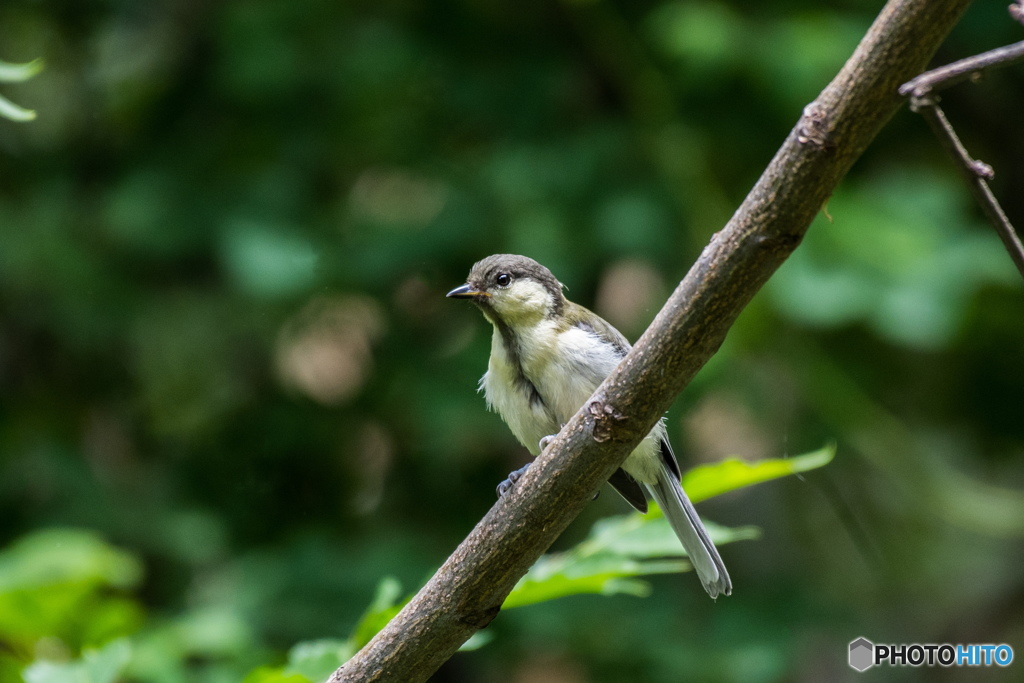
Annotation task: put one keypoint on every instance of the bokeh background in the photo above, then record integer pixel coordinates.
(233, 397)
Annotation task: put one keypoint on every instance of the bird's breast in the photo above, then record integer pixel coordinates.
(540, 383)
(513, 395)
(571, 370)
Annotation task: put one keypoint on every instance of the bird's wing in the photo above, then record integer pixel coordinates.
(607, 332)
(670, 458)
(629, 489)
(598, 326)
(626, 486)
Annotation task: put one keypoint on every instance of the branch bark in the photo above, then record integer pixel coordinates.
(467, 592)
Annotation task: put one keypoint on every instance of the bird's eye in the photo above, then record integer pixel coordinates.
(503, 279)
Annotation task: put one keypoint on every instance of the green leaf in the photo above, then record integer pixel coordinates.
(317, 659)
(621, 549)
(96, 666)
(266, 674)
(647, 536)
(65, 555)
(706, 481)
(9, 110)
(529, 592)
(477, 641)
(16, 73)
(386, 604)
(609, 562)
(56, 583)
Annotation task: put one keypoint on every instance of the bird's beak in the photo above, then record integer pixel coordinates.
(465, 292)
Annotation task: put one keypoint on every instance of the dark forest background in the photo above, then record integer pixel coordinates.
(233, 397)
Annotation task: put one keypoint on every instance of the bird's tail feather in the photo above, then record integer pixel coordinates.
(685, 521)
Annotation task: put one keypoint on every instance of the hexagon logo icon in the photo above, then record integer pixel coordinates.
(862, 654)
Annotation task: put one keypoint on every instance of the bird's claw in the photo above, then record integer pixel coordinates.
(505, 486)
(513, 476)
(545, 441)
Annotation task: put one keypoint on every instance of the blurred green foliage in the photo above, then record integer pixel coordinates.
(233, 397)
(55, 585)
(104, 665)
(16, 73)
(64, 591)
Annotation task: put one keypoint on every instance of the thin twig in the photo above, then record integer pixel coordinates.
(921, 91)
(962, 70)
(977, 173)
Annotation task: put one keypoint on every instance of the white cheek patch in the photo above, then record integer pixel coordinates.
(522, 299)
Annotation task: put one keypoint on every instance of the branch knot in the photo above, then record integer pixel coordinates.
(1017, 11)
(813, 127)
(604, 415)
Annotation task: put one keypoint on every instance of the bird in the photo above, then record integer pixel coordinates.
(548, 355)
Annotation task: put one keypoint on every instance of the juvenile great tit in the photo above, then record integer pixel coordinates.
(548, 355)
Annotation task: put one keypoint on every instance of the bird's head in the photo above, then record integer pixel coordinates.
(513, 290)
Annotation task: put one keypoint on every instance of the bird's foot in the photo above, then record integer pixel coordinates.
(505, 486)
(545, 441)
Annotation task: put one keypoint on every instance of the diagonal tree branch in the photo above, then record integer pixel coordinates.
(467, 592)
